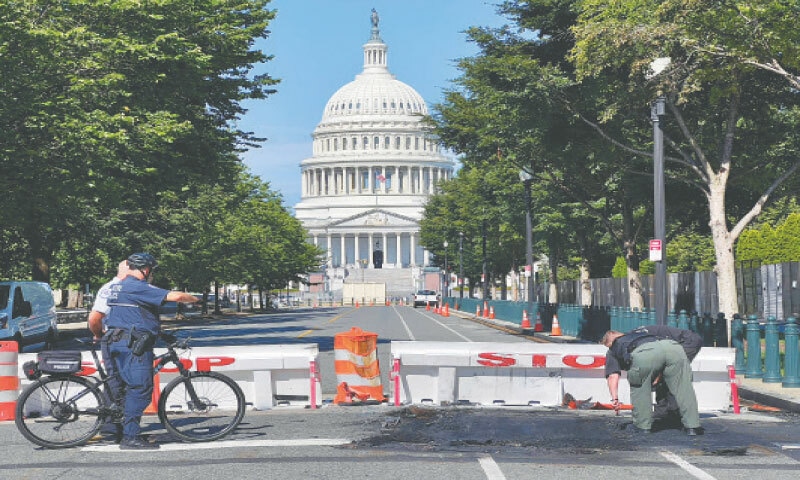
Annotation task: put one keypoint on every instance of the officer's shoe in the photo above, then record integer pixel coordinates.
(639, 431)
(693, 432)
(137, 443)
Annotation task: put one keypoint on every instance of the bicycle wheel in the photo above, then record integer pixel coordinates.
(218, 409)
(60, 412)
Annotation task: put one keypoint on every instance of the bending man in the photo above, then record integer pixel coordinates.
(645, 356)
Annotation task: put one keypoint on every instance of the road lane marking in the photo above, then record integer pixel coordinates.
(405, 325)
(491, 468)
(686, 466)
(309, 332)
(448, 328)
(171, 447)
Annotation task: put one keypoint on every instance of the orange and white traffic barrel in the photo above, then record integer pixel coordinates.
(356, 362)
(9, 381)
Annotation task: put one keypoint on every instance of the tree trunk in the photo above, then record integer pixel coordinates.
(586, 284)
(724, 241)
(635, 293)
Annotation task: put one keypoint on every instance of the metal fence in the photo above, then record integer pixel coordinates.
(764, 290)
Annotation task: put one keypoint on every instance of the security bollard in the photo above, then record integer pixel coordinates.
(753, 335)
(772, 355)
(672, 319)
(791, 359)
(708, 332)
(721, 331)
(737, 341)
(683, 320)
(691, 323)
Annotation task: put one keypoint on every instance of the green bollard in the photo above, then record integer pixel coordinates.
(772, 355)
(753, 335)
(737, 340)
(672, 319)
(721, 331)
(791, 360)
(683, 320)
(707, 331)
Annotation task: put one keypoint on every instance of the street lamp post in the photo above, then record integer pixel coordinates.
(527, 178)
(660, 288)
(658, 66)
(446, 276)
(461, 264)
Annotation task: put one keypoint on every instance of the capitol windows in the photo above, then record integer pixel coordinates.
(408, 143)
(335, 144)
(376, 143)
(355, 143)
(416, 143)
(397, 143)
(386, 142)
(366, 143)
(344, 144)
(394, 105)
(328, 145)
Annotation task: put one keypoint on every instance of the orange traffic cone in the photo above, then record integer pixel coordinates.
(428, 306)
(356, 304)
(491, 311)
(538, 327)
(153, 407)
(526, 323)
(477, 310)
(446, 310)
(485, 308)
(555, 330)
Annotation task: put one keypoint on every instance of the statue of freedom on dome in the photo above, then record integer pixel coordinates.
(375, 18)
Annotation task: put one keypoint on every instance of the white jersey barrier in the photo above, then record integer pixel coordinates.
(443, 373)
(274, 375)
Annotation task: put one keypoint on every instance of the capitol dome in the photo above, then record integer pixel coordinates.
(374, 165)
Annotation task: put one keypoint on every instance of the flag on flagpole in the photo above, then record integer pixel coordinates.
(381, 178)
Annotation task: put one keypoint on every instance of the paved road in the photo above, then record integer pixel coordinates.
(385, 442)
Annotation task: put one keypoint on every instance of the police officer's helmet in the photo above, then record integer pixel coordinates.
(138, 261)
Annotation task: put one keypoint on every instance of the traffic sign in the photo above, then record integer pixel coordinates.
(656, 250)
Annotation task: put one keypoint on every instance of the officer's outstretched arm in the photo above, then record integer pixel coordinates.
(182, 297)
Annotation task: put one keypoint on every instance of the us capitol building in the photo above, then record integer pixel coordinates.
(374, 165)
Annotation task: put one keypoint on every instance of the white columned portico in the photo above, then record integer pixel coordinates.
(398, 260)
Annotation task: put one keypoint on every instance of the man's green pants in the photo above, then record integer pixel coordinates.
(665, 357)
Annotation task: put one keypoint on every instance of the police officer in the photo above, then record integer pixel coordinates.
(666, 407)
(133, 326)
(645, 356)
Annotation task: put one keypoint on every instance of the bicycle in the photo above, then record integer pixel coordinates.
(61, 410)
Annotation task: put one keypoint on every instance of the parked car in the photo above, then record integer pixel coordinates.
(27, 313)
(424, 297)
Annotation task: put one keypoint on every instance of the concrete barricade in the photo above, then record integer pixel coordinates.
(274, 375)
(539, 374)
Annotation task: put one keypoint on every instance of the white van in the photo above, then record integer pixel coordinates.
(27, 313)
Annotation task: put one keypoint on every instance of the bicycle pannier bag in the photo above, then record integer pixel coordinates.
(59, 362)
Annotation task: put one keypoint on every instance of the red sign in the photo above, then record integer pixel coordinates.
(541, 360)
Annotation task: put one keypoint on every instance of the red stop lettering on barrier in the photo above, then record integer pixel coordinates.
(187, 364)
(495, 360)
(204, 364)
(539, 361)
(572, 361)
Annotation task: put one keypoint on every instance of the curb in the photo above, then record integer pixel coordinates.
(769, 400)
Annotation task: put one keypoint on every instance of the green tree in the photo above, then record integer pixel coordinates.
(731, 123)
(112, 107)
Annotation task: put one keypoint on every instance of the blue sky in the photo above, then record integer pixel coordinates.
(317, 49)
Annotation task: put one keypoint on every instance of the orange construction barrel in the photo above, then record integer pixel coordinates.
(357, 371)
(9, 381)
